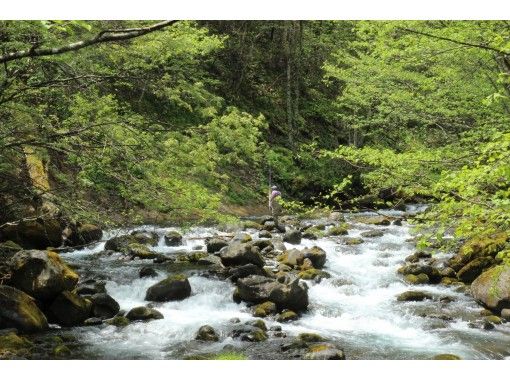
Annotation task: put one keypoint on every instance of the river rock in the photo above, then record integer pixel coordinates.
(207, 334)
(446, 357)
(265, 235)
(492, 288)
(292, 237)
(258, 289)
(18, 310)
(93, 321)
(210, 260)
(422, 278)
(313, 274)
(242, 237)
(215, 244)
(287, 316)
(120, 243)
(173, 288)
(372, 233)
(311, 234)
(142, 313)
(241, 254)
(264, 309)
(84, 234)
(235, 273)
(69, 309)
(413, 295)
(474, 268)
(375, 220)
(418, 268)
(90, 287)
(353, 241)
(263, 244)
(140, 251)
(8, 249)
(104, 306)
(13, 346)
(249, 333)
(173, 238)
(41, 274)
(147, 272)
(118, 321)
(505, 314)
(481, 246)
(324, 351)
(34, 234)
(257, 323)
(292, 258)
(337, 231)
(146, 237)
(316, 255)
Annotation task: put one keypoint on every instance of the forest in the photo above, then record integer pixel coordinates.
(107, 125)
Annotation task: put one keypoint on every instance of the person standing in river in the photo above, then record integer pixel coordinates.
(274, 206)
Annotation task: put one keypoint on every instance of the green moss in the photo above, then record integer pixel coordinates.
(485, 245)
(230, 356)
(338, 230)
(287, 316)
(311, 274)
(61, 351)
(446, 357)
(251, 224)
(118, 321)
(310, 337)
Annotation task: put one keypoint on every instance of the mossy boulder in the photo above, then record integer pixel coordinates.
(41, 274)
(104, 306)
(250, 224)
(241, 254)
(292, 236)
(142, 313)
(242, 271)
(353, 241)
(310, 338)
(418, 268)
(120, 243)
(85, 234)
(140, 251)
(492, 288)
(173, 288)
(61, 351)
(481, 246)
(14, 346)
(287, 316)
(494, 319)
(215, 244)
(374, 220)
(90, 287)
(69, 309)
(292, 258)
(413, 295)
(337, 230)
(505, 314)
(34, 234)
(312, 234)
(118, 321)
(242, 237)
(316, 255)
(324, 351)
(207, 334)
(264, 309)
(8, 249)
(257, 323)
(18, 310)
(147, 272)
(422, 278)
(173, 238)
(250, 333)
(145, 237)
(313, 274)
(474, 268)
(372, 233)
(265, 235)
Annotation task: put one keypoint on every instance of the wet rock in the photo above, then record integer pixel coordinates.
(375, 220)
(8, 249)
(69, 309)
(257, 289)
(372, 233)
(257, 323)
(173, 239)
(446, 357)
(412, 259)
(324, 351)
(173, 288)
(474, 268)
(118, 321)
(61, 351)
(142, 313)
(268, 251)
(316, 255)
(292, 258)
(250, 224)
(41, 274)
(147, 272)
(140, 251)
(419, 268)
(234, 320)
(422, 278)
(145, 237)
(292, 237)
(241, 254)
(264, 309)
(120, 243)
(93, 321)
(492, 288)
(269, 225)
(265, 235)
(287, 316)
(337, 231)
(242, 238)
(313, 274)
(235, 273)
(397, 222)
(413, 295)
(494, 319)
(249, 333)
(448, 272)
(104, 306)
(90, 287)
(353, 241)
(34, 234)
(13, 346)
(310, 338)
(263, 244)
(18, 310)
(207, 334)
(85, 234)
(505, 314)
(311, 234)
(481, 246)
(210, 260)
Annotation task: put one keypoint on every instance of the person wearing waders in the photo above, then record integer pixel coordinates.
(274, 206)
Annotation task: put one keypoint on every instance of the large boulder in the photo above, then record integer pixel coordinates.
(316, 255)
(474, 268)
(120, 243)
(84, 234)
(142, 313)
(173, 288)
(215, 244)
(235, 273)
(69, 309)
(173, 238)
(41, 274)
(324, 351)
(8, 249)
(481, 246)
(292, 237)
(419, 268)
(292, 258)
(18, 310)
(257, 289)
(104, 306)
(145, 237)
(241, 254)
(413, 295)
(492, 288)
(207, 334)
(34, 234)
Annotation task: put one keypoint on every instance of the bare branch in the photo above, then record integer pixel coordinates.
(101, 37)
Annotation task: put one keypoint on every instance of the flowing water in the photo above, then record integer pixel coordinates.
(356, 308)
